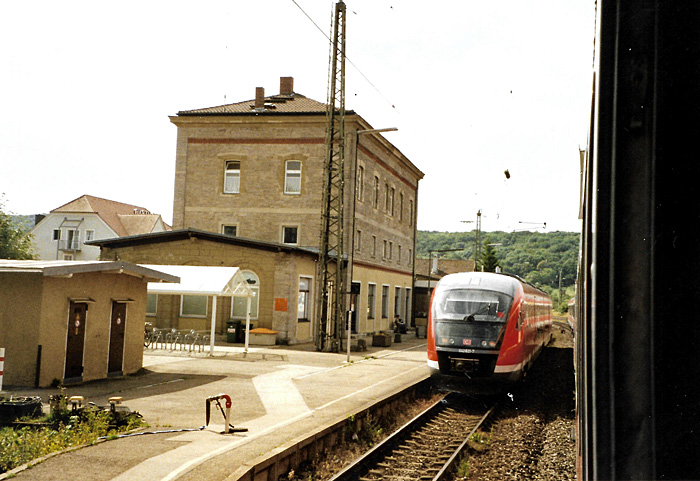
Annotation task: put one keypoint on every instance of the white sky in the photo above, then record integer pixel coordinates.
(476, 88)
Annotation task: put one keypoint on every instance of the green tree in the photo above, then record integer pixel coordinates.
(489, 259)
(14, 242)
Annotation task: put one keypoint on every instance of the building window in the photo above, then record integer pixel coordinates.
(304, 299)
(386, 198)
(391, 249)
(385, 249)
(151, 304)
(400, 206)
(374, 246)
(410, 213)
(360, 183)
(410, 256)
(238, 305)
(390, 207)
(397, 301)
(292, 177)
(371, 295)
(57, 234)
(89, 235)
(385, 302)
(232, 177)
(67, 257)
(398, 255)
(375, 195)
(193, 306)
(229, 230)
(290, 235)
(358, 240)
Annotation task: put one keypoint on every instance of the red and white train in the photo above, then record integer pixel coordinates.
(485, 327)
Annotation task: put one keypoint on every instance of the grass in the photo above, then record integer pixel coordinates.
(67, 429)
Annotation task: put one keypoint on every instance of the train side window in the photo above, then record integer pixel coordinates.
(520, 318)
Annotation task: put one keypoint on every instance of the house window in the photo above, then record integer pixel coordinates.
(67, 257)
(290, 235)
(193, 306)
(374, 246)
(371, 295)
(229, 230)
(232, 177)
(375, 195)
(304, 299)
(292, 177)
(151, 304)
(238, 305)
(56, 234)
(385, 302)
(89, 235)
(360, 183)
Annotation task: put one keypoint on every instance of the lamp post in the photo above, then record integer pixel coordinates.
(351, 257)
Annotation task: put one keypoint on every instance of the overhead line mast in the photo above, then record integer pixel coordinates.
(331, 300)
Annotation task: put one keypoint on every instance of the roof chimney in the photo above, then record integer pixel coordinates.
(259, 98)
(286, 85)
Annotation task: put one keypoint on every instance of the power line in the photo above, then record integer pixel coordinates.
(346, 57)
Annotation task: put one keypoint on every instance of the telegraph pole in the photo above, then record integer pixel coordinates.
(331, 290)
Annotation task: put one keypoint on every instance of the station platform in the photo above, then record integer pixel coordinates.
(279, 393)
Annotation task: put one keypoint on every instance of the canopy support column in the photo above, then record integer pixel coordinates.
(213, 327)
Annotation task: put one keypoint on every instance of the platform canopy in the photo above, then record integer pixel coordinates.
(201, 281)
(205, 281)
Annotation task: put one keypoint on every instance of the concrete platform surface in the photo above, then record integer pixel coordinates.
(279, 393)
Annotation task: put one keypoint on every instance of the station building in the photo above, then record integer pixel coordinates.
(253, 171)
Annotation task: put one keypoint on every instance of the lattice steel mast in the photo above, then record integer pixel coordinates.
(330, 299)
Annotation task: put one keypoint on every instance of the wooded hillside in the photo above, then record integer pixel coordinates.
(539, 257)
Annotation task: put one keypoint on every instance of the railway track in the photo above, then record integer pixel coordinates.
(427, 448)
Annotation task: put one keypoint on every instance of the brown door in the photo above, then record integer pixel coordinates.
(116, 337)
(75, 343)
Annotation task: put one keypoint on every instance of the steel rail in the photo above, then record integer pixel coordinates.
(382, 451)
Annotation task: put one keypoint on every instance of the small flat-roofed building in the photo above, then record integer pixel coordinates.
(72, 321)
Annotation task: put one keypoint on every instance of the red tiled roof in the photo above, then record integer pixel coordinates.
(108, 210)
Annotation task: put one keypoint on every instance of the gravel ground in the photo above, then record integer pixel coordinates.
(531, 438)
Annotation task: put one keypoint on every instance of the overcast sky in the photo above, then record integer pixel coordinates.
(474, 88)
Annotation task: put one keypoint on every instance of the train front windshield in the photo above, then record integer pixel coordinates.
(470, 317)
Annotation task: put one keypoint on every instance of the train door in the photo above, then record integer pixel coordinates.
(116, 338)
(75, 341)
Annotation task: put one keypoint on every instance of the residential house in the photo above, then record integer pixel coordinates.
(61, 235)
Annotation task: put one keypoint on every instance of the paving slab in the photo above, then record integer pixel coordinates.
(279, 393)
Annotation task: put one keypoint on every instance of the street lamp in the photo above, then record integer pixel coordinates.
(351, 258)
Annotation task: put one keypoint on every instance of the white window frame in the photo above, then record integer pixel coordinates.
(197, 314)
(308, 302)
(89, 235)
(224, 226)
(284, 229)
(385, 301)
(255, 300)
(289, 174)
(371, 300)
(360, 191)
(155, 312)
(232, 177)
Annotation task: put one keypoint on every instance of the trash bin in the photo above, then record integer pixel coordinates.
(233, 330)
